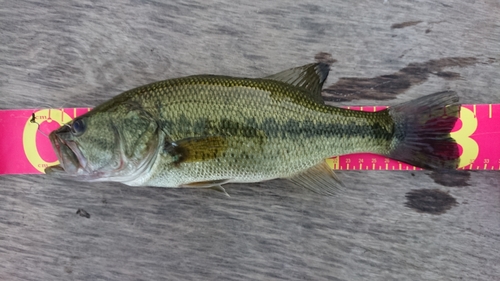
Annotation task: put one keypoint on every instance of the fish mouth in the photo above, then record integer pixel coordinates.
(69, 155)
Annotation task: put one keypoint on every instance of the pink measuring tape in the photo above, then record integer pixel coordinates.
(26, 149)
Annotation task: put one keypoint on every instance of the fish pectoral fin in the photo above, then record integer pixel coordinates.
(309, 77)
(196, 149)
(320, 179)
(214, 184)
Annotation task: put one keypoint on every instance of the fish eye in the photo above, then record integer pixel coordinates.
(78, 127)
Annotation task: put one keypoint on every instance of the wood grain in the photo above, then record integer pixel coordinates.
(81, 53)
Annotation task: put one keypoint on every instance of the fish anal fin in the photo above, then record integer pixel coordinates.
(320, 179)
(197, 149)
(309, 77)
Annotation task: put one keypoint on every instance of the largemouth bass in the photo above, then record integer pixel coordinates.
(206, 130)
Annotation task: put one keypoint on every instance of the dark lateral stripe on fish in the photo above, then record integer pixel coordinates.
(273, 128)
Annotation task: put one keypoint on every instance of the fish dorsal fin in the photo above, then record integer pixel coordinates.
(309, 77)
(320, 179)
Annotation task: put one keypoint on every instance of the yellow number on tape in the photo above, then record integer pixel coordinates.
(470, 148)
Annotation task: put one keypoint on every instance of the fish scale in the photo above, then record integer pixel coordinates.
(285, 142)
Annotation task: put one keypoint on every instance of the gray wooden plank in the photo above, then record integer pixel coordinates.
(80, 53)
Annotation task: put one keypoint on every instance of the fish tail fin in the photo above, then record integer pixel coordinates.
(422, 131)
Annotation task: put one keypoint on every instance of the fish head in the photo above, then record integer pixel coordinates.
(116, 144)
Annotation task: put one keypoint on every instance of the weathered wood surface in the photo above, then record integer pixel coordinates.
(80, 53)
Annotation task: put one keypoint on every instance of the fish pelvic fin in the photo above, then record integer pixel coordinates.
(422, 131)
(309, 77)
(211, 184)
(221, 189)
(319, 179)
